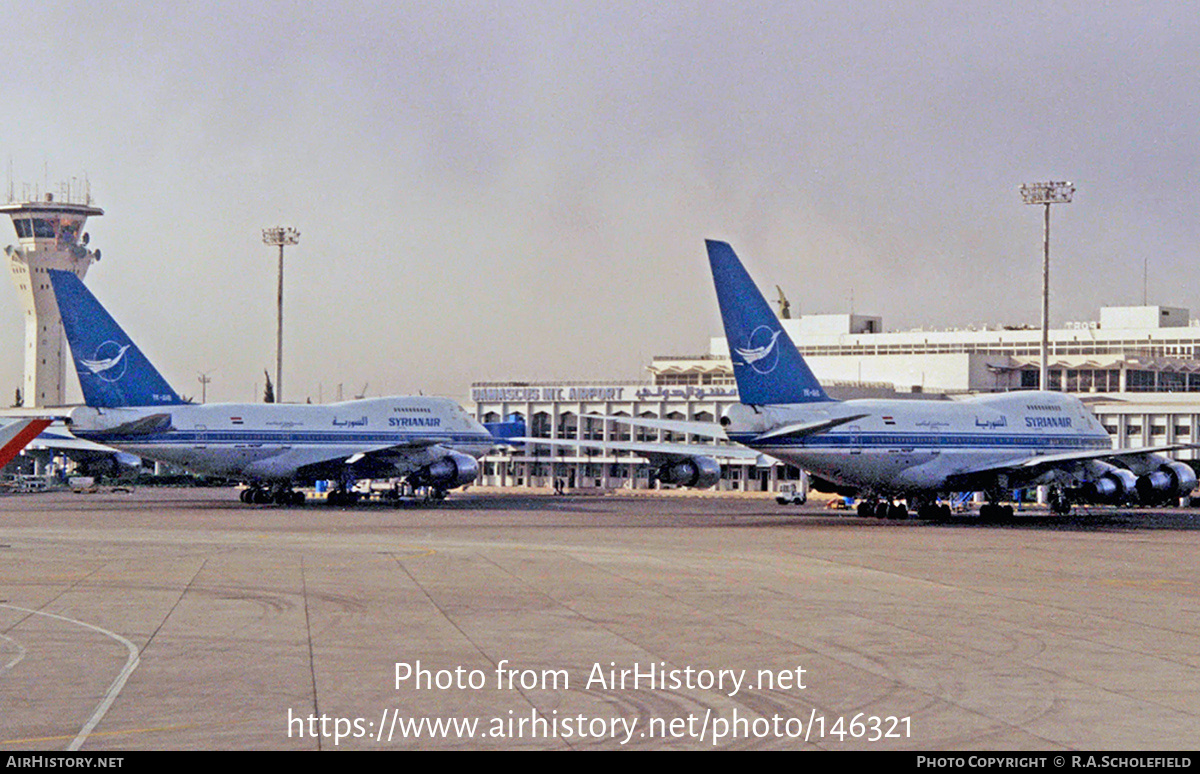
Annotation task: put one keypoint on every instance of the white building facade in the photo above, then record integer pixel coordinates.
(559, 411)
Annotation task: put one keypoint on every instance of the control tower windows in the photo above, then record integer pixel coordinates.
(68, 231)
(47, 228)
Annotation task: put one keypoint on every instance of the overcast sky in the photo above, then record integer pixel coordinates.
(521, 190)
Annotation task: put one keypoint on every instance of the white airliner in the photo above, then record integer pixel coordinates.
(918, 450)
(431, 442)
(883, 451)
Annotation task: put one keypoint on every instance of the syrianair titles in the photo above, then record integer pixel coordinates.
(429, 442)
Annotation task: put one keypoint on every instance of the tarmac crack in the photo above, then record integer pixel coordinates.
(166, 617)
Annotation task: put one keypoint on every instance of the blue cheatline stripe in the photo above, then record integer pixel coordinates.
(923, 440)
(259, 437)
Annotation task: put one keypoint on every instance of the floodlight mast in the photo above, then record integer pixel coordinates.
(280, 236)
(1046, 194)
(204, 380)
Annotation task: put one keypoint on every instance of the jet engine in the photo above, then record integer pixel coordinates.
(449, 472)
(829, 487)
(699, 472)
(1171, 481)
(1115, 485)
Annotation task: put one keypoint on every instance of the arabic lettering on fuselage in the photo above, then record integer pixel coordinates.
(360, 422)
(991, 424)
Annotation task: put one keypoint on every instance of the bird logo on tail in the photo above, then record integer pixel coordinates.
(103, 366)
(760, 358)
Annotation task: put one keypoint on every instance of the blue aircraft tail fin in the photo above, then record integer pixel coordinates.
(113, 372)
(766, 364)
(503, 432)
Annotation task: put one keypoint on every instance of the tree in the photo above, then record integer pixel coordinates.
(269, 391)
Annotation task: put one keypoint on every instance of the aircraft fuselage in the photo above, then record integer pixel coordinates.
(266, 442)
(916, 445)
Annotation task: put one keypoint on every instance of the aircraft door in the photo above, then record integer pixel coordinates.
(855, 439)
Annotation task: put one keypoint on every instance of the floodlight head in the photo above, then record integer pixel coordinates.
(1047, 193)
(280, 236)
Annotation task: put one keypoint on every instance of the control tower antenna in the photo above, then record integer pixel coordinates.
(49, 236)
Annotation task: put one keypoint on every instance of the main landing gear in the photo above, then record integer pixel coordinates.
(882, 510)
(342, 496)
(257, 495)
(934, 512)
(929, 511)
(993, 513)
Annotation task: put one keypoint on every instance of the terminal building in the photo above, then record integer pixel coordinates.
(1136, 367)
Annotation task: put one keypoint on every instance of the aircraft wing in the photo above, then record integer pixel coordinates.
(79, 449)
(1117, 454)
(412, 444)
(1032, 466)
(659, 453)
(379, 461)
(684, 464)
(707, 429)
(712, 430)
(68, 443)
(801, 429)
(649, 449)
(667, 451)
(152, 423)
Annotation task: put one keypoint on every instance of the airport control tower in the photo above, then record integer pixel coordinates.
(49, 236)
